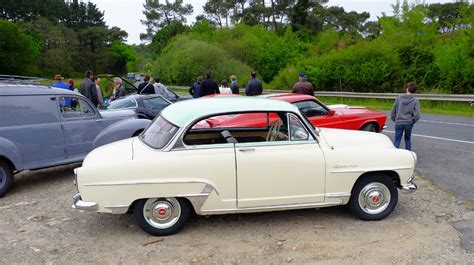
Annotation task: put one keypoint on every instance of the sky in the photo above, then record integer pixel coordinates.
(127, 14)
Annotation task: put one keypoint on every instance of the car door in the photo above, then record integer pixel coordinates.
(319, 115)
(152, 106)
(280, 171)
(81, 123)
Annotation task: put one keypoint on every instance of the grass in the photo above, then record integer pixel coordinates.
(427, 106)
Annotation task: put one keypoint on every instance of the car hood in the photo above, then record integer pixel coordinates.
(117, 113)
(348, 138)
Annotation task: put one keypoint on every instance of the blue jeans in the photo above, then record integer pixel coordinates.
(399, 132)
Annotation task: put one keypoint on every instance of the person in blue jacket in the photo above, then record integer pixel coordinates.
(59, 83)
(195, 88)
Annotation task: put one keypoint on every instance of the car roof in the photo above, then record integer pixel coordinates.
(289, 97)
(24, 90)
(185, 112)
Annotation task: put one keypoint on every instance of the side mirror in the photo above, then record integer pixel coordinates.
(331, 112)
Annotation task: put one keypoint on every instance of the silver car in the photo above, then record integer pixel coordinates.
(43, 127)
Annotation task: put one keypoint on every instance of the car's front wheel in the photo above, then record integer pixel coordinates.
(162, 216)
(370, 127)
(6, 178)
(373, 197)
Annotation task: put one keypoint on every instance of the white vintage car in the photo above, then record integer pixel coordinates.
(180, 165)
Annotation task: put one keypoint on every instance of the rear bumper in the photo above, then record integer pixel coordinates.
(410, 186)
(79, 204)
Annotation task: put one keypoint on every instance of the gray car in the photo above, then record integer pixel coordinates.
(42, 127)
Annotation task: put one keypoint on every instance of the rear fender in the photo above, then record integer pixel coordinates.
(11, 152)
(119, 131)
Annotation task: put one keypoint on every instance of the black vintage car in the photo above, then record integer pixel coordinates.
(131, 87)
(146, 106)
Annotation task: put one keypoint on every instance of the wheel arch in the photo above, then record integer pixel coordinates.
(393, 175)
(377, 126)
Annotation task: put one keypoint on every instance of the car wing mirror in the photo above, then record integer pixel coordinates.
(331, 113)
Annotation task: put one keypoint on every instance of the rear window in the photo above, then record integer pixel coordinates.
(159, 133)
(122, 103)
(28, 110)
(155, 103)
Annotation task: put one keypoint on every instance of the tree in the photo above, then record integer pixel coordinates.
(18, 51)
(160, 15)
(217, 11)
(164, 35)
(120, 55)
(81, 15)
(27, 10)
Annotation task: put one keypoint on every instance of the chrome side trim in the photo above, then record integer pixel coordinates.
(198, 200)
(118, 209)
(362, 170)
(272, 208)
(79, 204)
(145, 182)
(344, 197)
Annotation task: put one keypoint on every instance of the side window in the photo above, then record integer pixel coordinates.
(239, 128)
(27, 110)
(311, 108)
(297, 130)
(72, 107)
(155, 103)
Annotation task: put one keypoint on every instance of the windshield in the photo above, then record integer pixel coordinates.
(159, 133)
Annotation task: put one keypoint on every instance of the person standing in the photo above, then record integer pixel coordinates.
(88, 88)
(161, 89)
(195, 88)
(303, 86)
(254, 86)
(208, 86)
(146, 87)
(224, 88)
(70, 83)
(59, 83)
(96, 80)
(234, 86)
(118, 91)
(405, 113)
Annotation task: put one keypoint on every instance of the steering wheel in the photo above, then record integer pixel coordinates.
(273, 131)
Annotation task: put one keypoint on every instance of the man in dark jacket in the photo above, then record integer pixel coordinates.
(405, 113)
(303, 86)
(195, 88)
(118, 91)
(146, 87)
(234, 86)
(208, 86)
(254, 86)
(88, 88)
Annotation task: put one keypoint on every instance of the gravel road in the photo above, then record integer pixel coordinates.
(37, 225)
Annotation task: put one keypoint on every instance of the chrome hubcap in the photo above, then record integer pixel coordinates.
(3, 177)
(374, 198)
(162, 212)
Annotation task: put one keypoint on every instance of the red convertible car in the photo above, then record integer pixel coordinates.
(320, 115)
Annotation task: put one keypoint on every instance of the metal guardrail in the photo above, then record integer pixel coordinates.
(469, 98)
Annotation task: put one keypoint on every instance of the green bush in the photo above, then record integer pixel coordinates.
(184, 59)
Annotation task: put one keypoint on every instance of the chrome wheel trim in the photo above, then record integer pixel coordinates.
(162, 213)
(374, 198)
(3, 177)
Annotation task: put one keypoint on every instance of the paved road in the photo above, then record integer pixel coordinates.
(445, 149)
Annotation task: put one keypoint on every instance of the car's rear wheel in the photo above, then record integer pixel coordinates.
(6, 178)
(369, 127)
(162, 216)
(373, 197)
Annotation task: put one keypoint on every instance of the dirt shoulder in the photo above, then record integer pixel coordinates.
(38, 225)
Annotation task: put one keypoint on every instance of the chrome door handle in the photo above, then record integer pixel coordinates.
(247, 149)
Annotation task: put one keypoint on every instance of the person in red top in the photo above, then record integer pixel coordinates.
(303, 86)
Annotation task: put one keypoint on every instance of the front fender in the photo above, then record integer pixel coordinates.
(119, 131)
(11, 152)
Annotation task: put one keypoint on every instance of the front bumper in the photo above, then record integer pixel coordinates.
(410, 186)
(79, 204)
